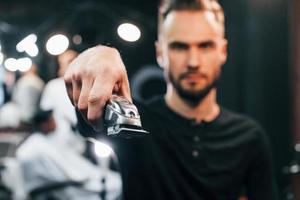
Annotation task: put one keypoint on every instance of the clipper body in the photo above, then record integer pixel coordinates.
(122, 118)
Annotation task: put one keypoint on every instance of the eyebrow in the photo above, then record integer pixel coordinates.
(185, 45)
(178, 45)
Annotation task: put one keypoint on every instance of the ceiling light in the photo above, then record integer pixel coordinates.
(129, 32)
(57, 44)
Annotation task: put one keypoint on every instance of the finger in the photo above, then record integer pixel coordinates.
(69, 87)
(76, 86)
(84, 95)
(100, 92)
(76, 91)
(124, 89)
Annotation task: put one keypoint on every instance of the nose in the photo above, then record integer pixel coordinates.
(193, 58)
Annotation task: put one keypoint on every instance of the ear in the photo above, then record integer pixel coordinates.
(224, 51)
(159, 57)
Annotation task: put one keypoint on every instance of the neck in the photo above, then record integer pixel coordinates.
(205, 110)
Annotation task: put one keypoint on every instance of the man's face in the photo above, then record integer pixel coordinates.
(191, 49)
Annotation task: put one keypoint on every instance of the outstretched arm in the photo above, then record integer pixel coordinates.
(92, 78)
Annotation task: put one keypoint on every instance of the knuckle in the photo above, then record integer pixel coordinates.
(67, 78)
(93, 99)
(114, 50)
(82, 106)
(87, 73)
(76, 76)
(97, 103)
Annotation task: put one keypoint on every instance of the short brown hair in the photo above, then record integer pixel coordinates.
(166, 6)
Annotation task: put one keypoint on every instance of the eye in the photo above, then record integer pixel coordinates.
(206, 45)
(178, 46)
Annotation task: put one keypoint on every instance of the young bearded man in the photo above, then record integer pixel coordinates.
(196, 149)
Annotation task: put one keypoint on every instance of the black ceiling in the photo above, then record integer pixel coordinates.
(92, 18)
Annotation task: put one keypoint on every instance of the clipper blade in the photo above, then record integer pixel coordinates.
(127, 131)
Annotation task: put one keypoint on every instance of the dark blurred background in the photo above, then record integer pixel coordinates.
(258, 79)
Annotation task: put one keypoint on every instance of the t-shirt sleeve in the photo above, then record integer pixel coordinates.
(147, 119)
(84, 128)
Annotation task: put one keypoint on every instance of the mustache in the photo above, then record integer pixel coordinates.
(191, 73)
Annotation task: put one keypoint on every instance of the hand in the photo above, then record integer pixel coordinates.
(92, 78)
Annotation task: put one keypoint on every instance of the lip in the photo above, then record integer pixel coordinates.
(193, 77)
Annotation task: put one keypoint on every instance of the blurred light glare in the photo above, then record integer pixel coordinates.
(27, 41)
(24, 64)
(77, 39)
(102, 150)
(294, 169)
(129, 32)
(1, 58)
(32, 50)
(57, 44)
(28, 45)
(11, 64)
(297, 147)
(21, 64)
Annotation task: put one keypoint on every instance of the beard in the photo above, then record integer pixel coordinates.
(192, 96)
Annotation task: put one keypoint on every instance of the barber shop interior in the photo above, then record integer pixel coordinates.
(149, 100)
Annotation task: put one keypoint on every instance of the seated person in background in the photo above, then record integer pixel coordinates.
(43, 163)
(54, 97)
(26, 94)
(24, 102)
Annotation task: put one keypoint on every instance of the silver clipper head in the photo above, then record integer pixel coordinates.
(122, 118)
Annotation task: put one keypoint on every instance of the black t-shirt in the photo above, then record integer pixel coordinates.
(182, 160)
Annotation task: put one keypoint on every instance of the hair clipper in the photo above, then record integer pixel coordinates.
(122, 118)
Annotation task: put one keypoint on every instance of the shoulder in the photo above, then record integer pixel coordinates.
(245, 131)
(33, 146)
(243, 125)
(153, 113)
(153, 105)
(229, 117)
(153, 109)
(33, 81)
(55, 88)
(54, 83)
